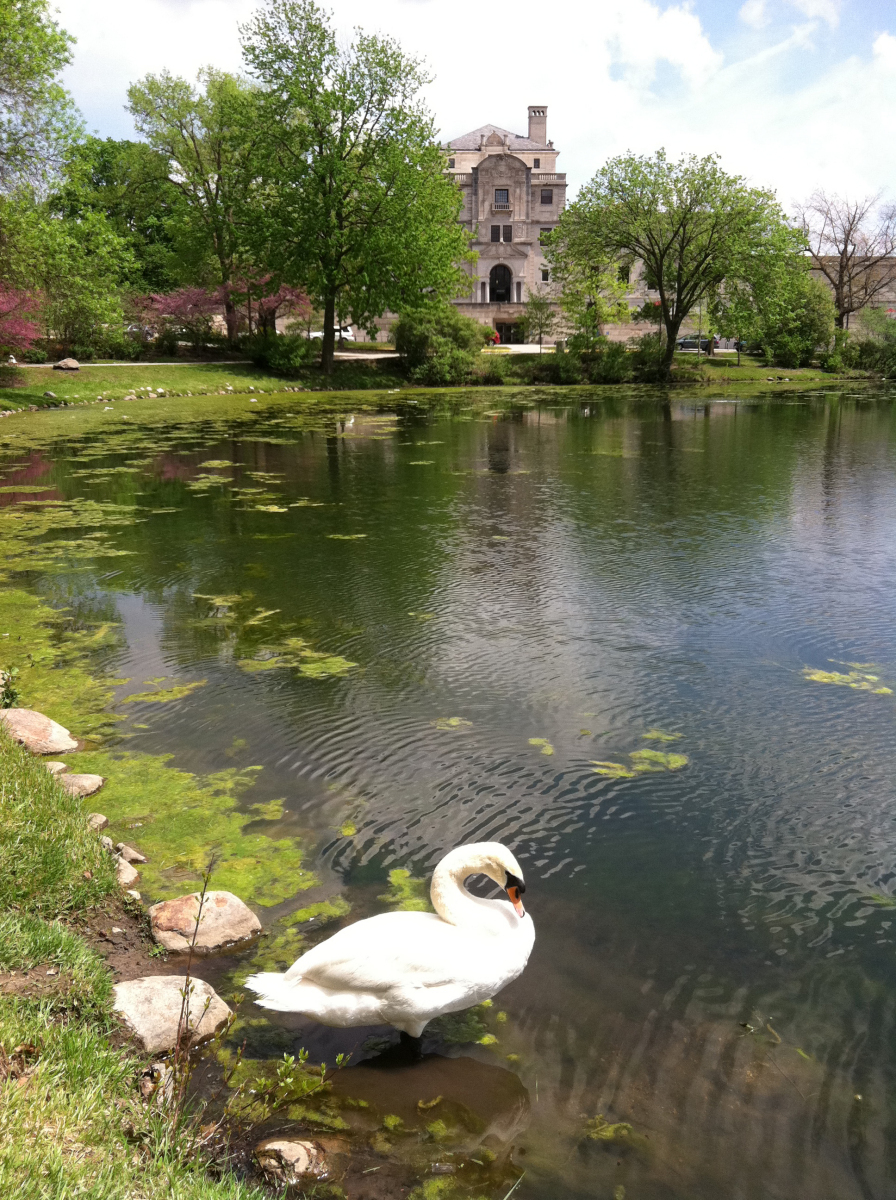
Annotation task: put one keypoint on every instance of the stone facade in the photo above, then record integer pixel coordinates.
(512, 195)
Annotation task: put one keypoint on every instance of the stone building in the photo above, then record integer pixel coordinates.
(513, 195)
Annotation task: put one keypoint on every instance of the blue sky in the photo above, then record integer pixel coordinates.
(794, 94)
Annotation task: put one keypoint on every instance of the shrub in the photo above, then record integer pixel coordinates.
(802, 327)
(438, 345)
(286, 354)
(609, 363)
(648, 357)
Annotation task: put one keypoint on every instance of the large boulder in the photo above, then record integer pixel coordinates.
(152, 1008)
(67, 364)
(225, 921)
(36, 732)
(291, 1162)
(80, 785)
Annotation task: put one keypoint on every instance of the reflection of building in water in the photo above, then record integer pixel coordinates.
(513, 195)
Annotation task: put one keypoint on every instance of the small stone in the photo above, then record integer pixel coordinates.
(106, 843)
(225, 921)
(115, 929)
(49, 395)
(36, 732)
(67, 364)
(134, 895)
(152, 1009)
(290, 1162)
(126, 873)
(81, 785)
(97, 821)
(129, 854)
(55, 767)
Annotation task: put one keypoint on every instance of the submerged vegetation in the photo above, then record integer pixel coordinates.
(858, 679)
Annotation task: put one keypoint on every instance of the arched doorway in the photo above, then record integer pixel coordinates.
(500, 284)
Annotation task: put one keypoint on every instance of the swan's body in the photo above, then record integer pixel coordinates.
(404, 968)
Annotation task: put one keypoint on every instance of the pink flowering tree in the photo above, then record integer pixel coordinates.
(189, 311)
(17, 331)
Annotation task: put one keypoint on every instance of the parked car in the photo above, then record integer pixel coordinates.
(690, 343)
(343, 333)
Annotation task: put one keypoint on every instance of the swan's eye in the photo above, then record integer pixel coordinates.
(514, 881)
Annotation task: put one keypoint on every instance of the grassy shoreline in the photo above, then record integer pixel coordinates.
(99, 383)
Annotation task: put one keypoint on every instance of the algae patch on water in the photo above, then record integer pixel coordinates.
(643, 761)
(546, 747)
(446, 723)
(406, 894)
(178, 820)
(296, 654)
(164, 695)
(858, 679)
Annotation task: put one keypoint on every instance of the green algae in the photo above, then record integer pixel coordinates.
(178, 820)
(287, 938)
(859, 680)
(659, 735)
(462, 1028)
(546, 747)
(643, 761)
(22, 489)
(406, 894)
(164, 695)
(296, 654)
(217, 462)
(446, 723)
(346, 537)
(599, 1129)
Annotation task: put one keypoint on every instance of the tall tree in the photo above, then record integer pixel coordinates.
(355, 206)
(37, 117)
(208, 137)
(853, 245)
(688, 221)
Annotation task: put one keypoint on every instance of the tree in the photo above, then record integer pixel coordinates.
(208, 139)
(354, 205)
(688, 221)
(853, 244)
(127, 182)
(189, 310)
(17, 330)
(37, 117)
(438, 344)
(540, 318)
(589, 279)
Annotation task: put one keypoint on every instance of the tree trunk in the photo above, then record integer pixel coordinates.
(328, 343)
(231, 318)
(672, 328)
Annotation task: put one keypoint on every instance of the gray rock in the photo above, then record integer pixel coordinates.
(97, 821)
(130, 854)
(49, 395)
(133, 895)
(36, 732)
(127, 875)
(152, 1010)
(106, 843)
(55, 768)
(81, 785)
(67, 364)
(225, 921)
(291, 1162)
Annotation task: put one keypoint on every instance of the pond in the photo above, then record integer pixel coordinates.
(433, 627)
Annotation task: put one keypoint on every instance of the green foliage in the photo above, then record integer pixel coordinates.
(353, 203)
(690, 223)
(37, 117)
(284, 354)
(540, 317)
(586, 270)
(800, 324)
(438, 344)
(9, 693)
(50, 860)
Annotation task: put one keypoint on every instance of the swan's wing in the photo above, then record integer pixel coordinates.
(391, 950)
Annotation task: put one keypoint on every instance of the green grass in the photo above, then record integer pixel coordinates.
(98, 381)
(51, 862)
(724, 369)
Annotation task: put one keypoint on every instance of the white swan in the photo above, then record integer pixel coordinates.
(404, 968)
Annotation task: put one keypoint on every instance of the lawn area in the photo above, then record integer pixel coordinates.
(723, 369)
(99, 381)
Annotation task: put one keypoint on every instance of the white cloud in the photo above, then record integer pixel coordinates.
(755, 14)
(785, 117)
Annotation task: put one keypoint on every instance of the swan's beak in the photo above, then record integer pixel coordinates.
(514, 895)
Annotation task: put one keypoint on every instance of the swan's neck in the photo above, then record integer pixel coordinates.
(450, 898)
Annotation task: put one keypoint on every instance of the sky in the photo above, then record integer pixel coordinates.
(793, 94)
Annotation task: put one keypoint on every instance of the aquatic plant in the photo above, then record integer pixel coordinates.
(642, 761)
(406, 893)
(296, 654)
(446, 723)
(859, 680)
(659, 735)
(599, 1129)
(546, 747)
(164, 695)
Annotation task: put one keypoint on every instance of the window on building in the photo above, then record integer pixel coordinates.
(545, 275)
(483, 293)
(547, 195)
(519, 293)
(625, 272)
(536, 163)
(450, 162)
(508, 233)
(496, 233)
(502, 196)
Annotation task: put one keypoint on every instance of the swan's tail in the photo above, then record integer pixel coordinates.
(274, 991)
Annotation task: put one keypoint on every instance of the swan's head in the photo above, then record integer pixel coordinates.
(491, 859)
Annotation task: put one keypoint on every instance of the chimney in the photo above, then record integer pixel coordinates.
(538, 124)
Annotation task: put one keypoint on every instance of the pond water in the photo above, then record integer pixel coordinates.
(530, 594)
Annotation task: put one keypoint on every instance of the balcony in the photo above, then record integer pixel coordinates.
(548, 177)
(502, 207)
(461, 177)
